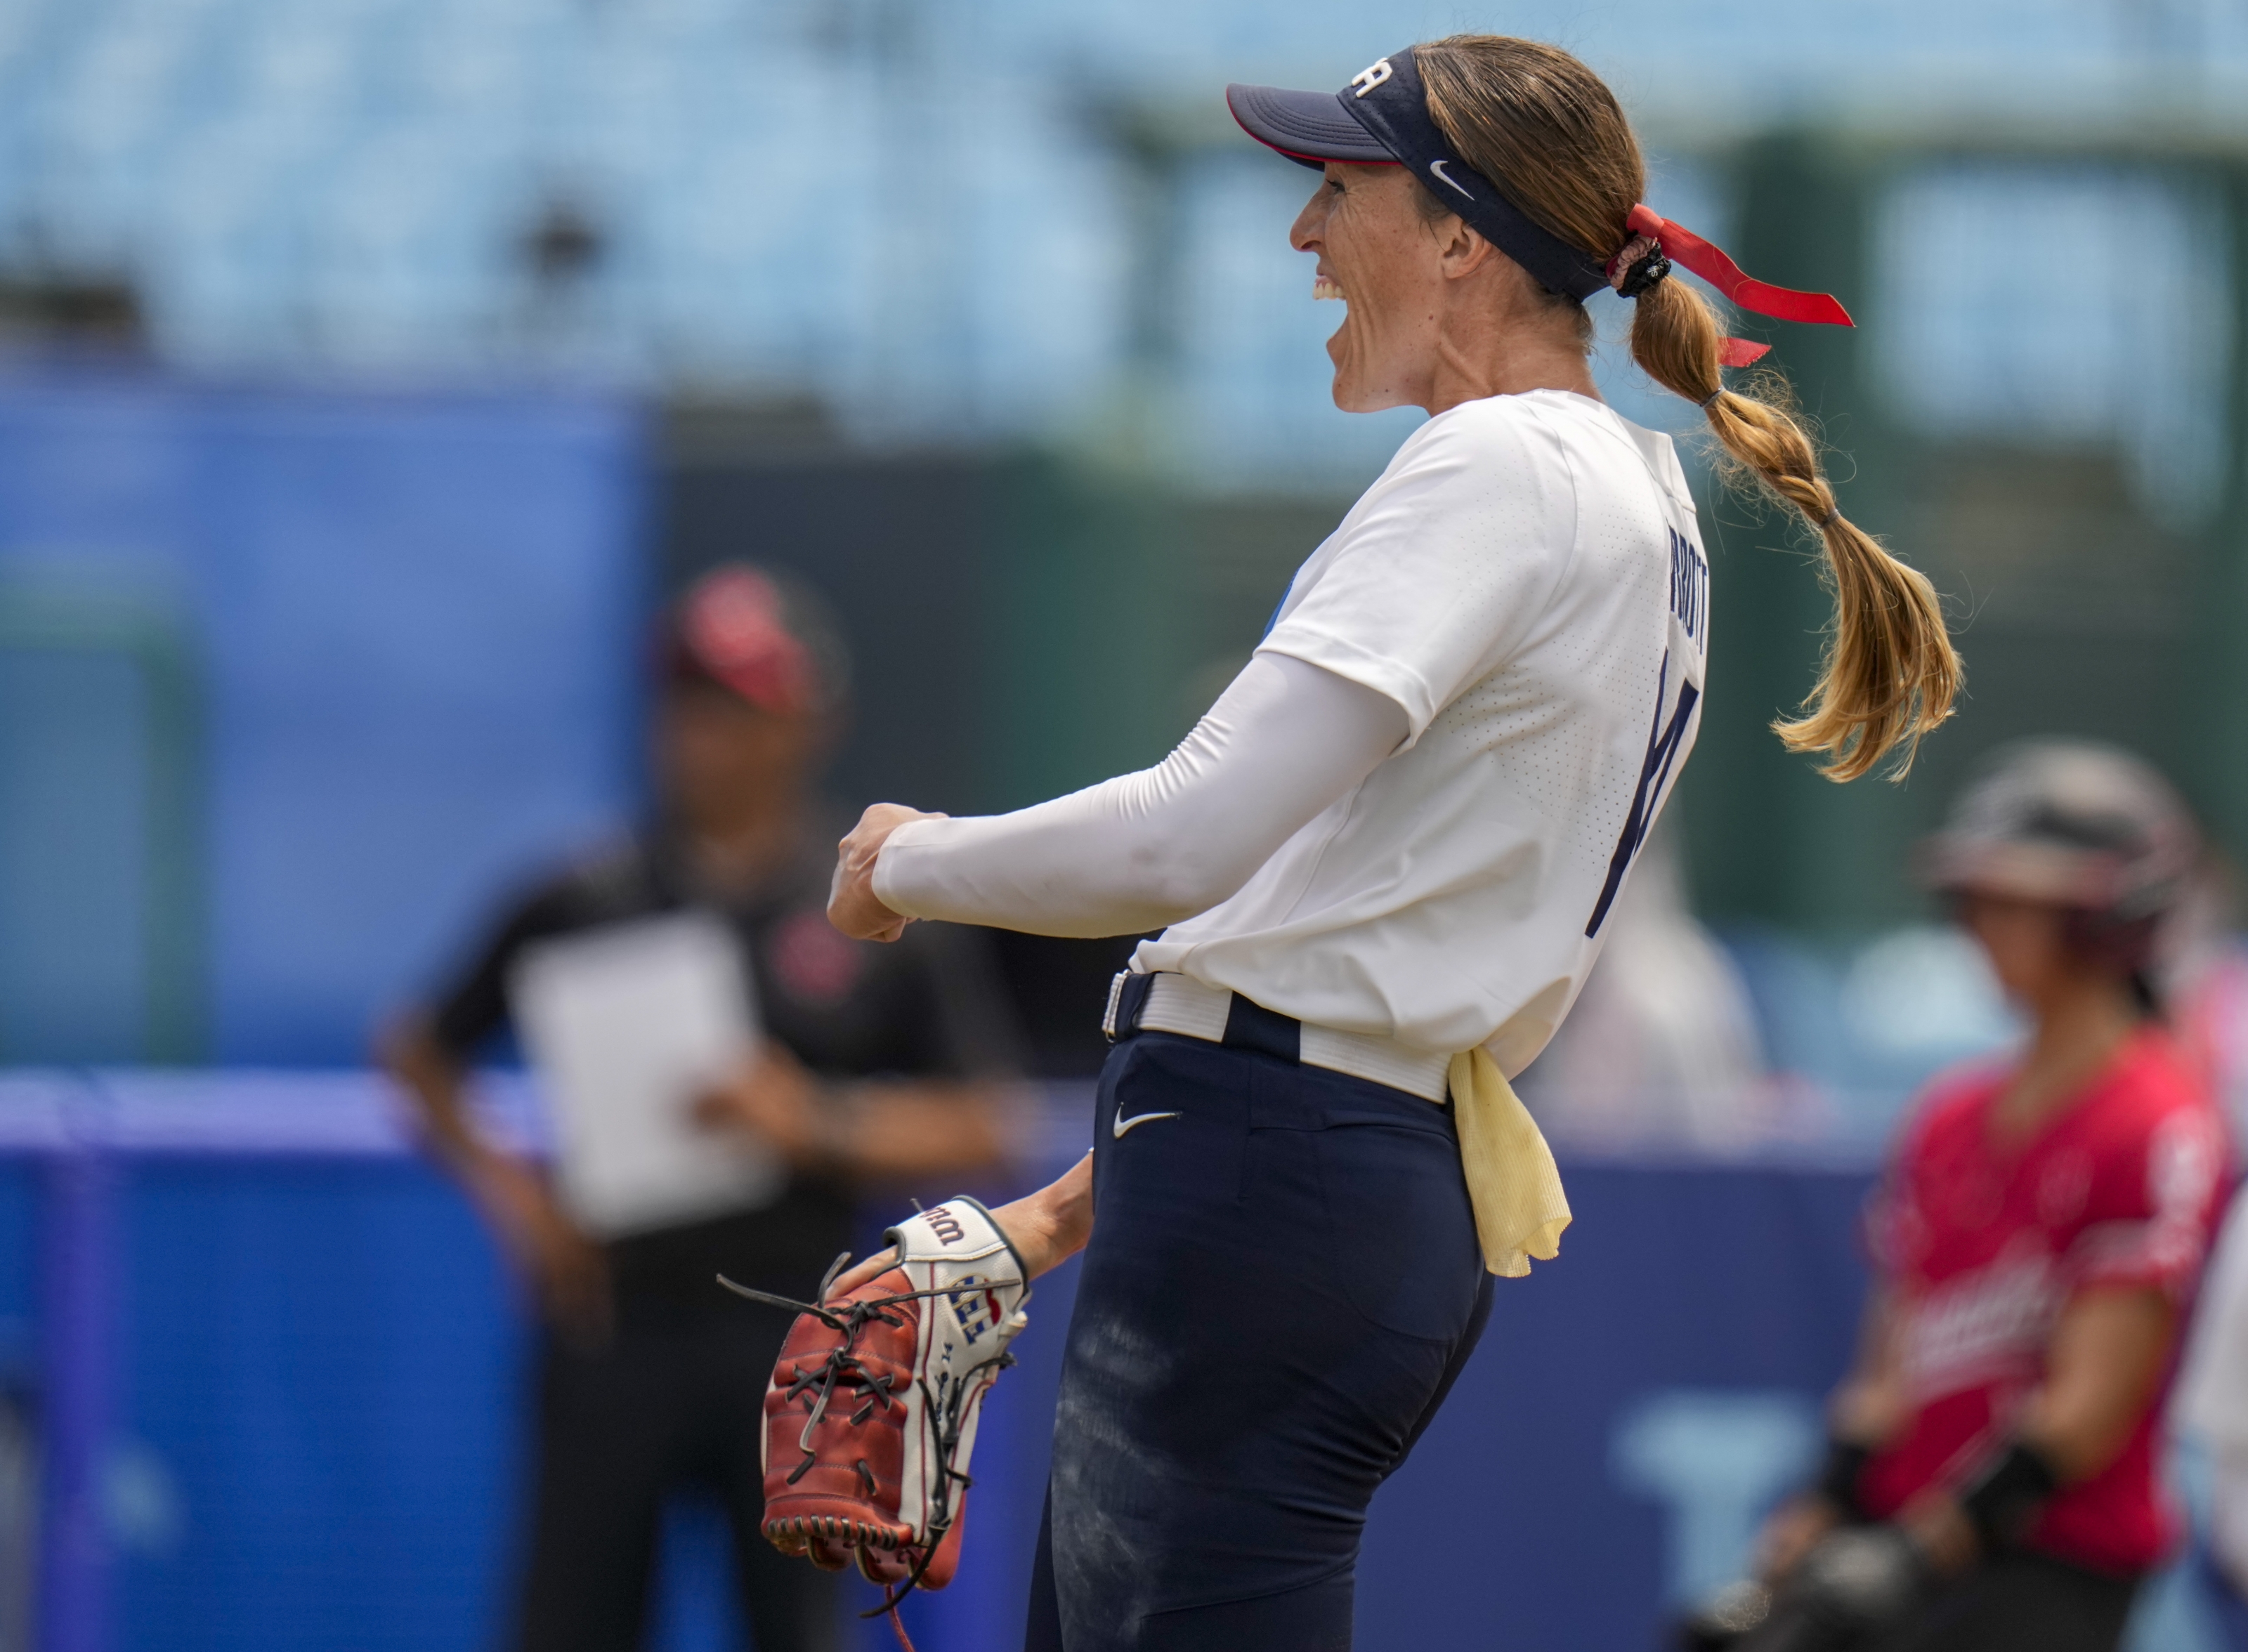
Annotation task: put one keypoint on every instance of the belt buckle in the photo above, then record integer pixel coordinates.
(1128, 1005)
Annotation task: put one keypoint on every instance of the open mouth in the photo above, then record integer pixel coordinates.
(1326, 287)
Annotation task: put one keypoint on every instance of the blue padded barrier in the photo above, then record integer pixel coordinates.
(416, 621)
(308, 1432)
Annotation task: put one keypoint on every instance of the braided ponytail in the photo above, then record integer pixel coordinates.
(1538, 118)
(1890, 672)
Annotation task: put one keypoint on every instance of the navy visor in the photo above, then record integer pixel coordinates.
(1309, 128)
(1382, 115)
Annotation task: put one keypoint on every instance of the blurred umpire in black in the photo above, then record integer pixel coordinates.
(879, 1063)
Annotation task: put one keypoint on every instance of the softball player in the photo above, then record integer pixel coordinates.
(1394, 839)
(2038, 1242)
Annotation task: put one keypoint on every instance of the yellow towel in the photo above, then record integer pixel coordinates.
(1512, 1182)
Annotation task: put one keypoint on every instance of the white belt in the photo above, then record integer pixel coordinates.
(1178, 1004)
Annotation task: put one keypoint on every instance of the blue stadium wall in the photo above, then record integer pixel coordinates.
(316, 1374)
(292, 683)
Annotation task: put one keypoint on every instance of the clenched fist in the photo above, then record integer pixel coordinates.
(851, 907)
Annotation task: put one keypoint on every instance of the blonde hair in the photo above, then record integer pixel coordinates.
(1548, 132)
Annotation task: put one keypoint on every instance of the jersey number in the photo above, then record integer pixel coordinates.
(1663, 741)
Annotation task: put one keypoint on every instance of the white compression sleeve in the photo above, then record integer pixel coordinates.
(1285, 740)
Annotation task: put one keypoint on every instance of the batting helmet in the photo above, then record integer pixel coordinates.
(2078, 824)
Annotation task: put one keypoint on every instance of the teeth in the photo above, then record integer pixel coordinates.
(1324, 287)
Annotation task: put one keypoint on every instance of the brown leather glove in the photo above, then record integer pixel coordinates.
(871, 1414)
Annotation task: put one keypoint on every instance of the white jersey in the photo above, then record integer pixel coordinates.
(1526, 581)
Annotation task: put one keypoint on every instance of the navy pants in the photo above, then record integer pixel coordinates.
(1283, 1282)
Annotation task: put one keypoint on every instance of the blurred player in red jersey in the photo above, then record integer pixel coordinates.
(1994, 1480)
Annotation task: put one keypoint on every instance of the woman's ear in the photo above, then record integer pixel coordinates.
(1462, 249)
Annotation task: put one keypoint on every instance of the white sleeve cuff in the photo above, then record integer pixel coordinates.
(894, 867)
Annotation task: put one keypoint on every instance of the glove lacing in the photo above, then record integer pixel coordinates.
(843, 1369)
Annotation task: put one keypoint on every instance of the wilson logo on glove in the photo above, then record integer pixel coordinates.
(871, 1414)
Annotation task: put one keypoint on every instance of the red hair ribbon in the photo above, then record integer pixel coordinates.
(1682, 246)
